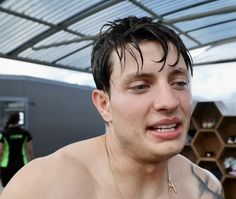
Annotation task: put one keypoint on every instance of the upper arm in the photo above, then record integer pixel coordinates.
(29, 182)
(203, 183)
(208, 185)
(215, 185)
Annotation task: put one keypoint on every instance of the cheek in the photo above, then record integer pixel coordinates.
(128, 107)
(186, 103)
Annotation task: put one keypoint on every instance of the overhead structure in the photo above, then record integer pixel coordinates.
(60, 33)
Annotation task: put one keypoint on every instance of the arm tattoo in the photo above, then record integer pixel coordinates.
(204, 187)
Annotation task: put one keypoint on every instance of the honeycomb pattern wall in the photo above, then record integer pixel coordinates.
(211, 141)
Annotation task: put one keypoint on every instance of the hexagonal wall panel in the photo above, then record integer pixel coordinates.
(207, 144)
(227, 155)
(227, 129)
(213, 141)
(206, 115)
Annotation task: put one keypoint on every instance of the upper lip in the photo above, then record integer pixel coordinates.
(166, 121)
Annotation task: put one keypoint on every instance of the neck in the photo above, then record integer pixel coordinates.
(134, 178)
(124, 159)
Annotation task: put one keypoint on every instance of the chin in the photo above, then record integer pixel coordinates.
(177, 148)
(172, 151)
(165, 154)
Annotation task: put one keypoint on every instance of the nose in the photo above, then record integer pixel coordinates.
(166, 98)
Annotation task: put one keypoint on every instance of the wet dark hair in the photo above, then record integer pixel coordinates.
(131, 31)
(13, 118)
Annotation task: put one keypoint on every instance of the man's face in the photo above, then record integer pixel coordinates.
(150, 111)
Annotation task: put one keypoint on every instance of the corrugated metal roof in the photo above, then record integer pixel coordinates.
(60, 32)
(92, 24)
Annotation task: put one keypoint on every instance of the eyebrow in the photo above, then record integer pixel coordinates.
(140, 75)
(150, 75)
(179, 71)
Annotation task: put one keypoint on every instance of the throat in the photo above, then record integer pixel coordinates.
(168, 186)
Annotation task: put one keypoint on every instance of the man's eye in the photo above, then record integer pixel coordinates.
(139, 88)
(180, 84)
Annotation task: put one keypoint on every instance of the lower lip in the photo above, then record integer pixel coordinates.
(169, 135)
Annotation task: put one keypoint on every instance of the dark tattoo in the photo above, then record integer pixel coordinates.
(204, 187)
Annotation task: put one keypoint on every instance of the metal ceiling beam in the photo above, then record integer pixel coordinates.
(210, 25)
(156, 16)
(216, 43)
(202, 15)
(187, 7)
(56, 44)
(79, 16)
(51, 25)
(215, 62)
(71, 53)
(90, 11)
(94, 9)
(224, 41)
(43, 63)
(84, 38)
(32, 42)
(87, 70)
(21, 15)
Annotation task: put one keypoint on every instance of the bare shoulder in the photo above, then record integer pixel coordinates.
(59, 175)
(200, 181)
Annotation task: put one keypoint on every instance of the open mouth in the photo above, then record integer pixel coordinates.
(164, 128)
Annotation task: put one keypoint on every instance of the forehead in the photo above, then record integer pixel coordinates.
(152, 53)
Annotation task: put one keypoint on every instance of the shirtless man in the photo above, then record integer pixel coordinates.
(142, 71)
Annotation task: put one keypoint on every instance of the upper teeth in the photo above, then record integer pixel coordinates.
(165, 128)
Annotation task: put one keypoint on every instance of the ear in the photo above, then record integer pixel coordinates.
(102, 103)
